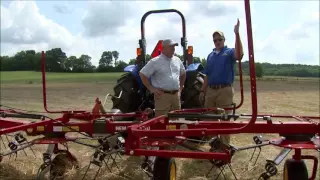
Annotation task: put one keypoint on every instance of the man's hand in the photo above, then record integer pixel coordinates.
(236, 27)
(157, 92)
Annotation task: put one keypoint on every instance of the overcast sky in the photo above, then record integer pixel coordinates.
(283, 31)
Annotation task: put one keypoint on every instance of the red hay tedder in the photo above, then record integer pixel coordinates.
(153, 137)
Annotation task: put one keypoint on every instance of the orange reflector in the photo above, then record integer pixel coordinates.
(139, 51)
(190, 49)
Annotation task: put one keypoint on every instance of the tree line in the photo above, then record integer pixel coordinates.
(58, 61)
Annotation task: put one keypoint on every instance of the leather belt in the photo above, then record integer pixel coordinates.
(170, 92)
(219, 86)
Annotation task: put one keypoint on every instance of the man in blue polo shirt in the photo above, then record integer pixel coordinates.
(218, 82)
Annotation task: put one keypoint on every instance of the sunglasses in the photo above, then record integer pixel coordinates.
(216, 40)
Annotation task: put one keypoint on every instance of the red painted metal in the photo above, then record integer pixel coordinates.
(43, 65)
(157, 49)
(294, 144)
(9, 122)
(315, 165)
(241, 86)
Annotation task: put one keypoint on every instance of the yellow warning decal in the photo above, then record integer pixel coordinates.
(72, 128)
(40, 128)
(171, 127)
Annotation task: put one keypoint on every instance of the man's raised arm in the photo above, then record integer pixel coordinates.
(238, 52)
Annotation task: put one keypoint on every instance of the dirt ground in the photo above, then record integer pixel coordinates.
(274, 97)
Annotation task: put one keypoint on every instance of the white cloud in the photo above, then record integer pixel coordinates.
(23, 26)
(299, 43)
(116, 26)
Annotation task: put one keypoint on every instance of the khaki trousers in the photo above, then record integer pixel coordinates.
(220, 98)
(166, 102)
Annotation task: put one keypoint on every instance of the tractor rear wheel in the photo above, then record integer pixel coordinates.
(295, 170)
(130, 99)
(164, 169)
(192, 89)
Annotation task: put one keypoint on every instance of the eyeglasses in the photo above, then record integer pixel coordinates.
(216, 40)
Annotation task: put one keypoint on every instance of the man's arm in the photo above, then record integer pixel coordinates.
(238, 52)
(145, 81)
(145, 73)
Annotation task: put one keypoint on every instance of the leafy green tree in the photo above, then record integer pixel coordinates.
(120, 66)
(115, 55)
(132, 61)
(55, 59)
(106, 59)
(259, 70)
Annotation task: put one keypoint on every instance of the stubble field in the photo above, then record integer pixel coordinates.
(275, 96)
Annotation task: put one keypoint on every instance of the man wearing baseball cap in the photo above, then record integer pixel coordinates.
(217, 88)
(167, 75)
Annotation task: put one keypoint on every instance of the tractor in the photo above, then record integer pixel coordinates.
(130, 93)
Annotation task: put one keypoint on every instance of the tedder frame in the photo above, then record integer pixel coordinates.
(153, 137)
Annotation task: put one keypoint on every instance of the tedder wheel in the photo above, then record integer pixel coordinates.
(60, 165)
(164, 169)
(130, 99)
(295, 170)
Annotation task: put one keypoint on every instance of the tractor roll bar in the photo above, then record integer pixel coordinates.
(143, 19)
(142, 41)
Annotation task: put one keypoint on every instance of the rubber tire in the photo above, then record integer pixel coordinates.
(162, 169)
(62, 161)
(191, 91)
(130, 99)
(295, 170)
(61, 164)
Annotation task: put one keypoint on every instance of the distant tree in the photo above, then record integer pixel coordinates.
(204, 62)
(6, 63)
(120, 66)
(259, 70)
(132, 61)
(106, 59)
(148, 57)
(55, 59)
(196, 60)
(115, 55)
(71, 64)
(86, 63)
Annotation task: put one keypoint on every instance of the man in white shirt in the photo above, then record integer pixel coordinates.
(167, 75)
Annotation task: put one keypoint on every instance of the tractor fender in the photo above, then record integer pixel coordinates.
(134, 70)
(131, 68)
(195, 67)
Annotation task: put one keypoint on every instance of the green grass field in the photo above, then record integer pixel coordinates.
(77, 91)
(36, 77)
(30, 77)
